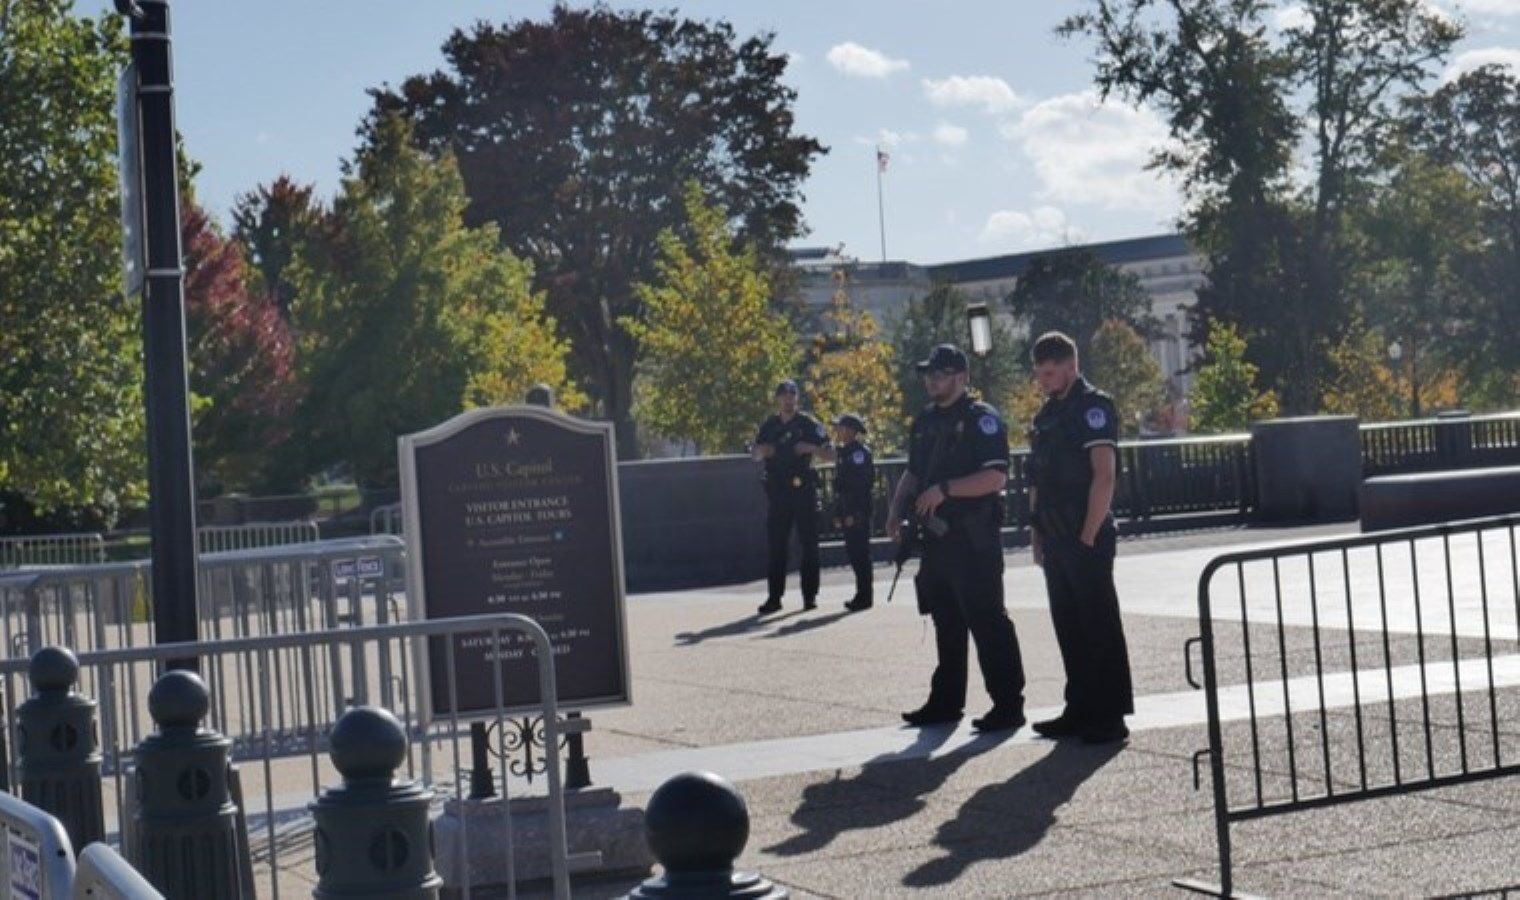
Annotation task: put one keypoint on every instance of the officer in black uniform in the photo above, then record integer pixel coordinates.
(952, 494)
(1074, 465)
(854, 477)
(786, 444)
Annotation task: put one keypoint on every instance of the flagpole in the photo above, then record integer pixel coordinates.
(881, 216)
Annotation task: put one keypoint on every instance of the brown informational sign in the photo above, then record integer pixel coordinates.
(515, 509)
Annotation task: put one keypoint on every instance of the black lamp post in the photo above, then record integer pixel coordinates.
(171, 484)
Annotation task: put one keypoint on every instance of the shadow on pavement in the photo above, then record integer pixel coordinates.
(745, 625)
(889, 788)
(1027, 802)
(808, 624)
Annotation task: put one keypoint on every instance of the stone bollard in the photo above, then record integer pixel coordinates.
(58, 747)
(373, 836)
(697, 824)
(186, 836)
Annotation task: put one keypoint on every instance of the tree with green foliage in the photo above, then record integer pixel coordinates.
(1472, 125)
(405, 315)
(1225, 396)
(939, 317)
(576, 134)
(1119, 362)
(850, 368)
(1424, 245)
(271, 222)
(71, 383)
(1242, 99)
(1361, 384)
(1075, 292)
(711, 349)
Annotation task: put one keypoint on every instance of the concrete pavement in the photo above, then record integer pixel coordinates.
(800, 710)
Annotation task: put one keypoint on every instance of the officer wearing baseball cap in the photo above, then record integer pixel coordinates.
(952, 494)
(854, 478)
(786, 445)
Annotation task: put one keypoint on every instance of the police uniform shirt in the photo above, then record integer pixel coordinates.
(970, 436)
(785, 466)
(852, 479)
(1065, 431)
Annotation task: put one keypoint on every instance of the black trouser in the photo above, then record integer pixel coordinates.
(963, 590)
(792, 507)
(1084, 607)
(857, 546)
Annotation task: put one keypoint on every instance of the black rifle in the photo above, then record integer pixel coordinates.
(912, 530)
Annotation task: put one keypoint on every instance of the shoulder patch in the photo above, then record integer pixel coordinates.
(1096, 418)
(859, 457)
(988, 424)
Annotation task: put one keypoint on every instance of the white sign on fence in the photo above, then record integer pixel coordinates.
(25, 867)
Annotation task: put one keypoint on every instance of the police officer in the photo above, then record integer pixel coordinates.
(1074, 464)
(957, 469)
(854, 477)
(786, 444)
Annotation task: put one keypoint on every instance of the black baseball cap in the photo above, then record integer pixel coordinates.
(786, 387)
(850, 420)
(944, 358)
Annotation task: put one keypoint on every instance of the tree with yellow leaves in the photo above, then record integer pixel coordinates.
(710, 348)
(851, 369)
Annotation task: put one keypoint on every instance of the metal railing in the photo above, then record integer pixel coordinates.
(282, 589)
(325, 673)
(386, 519)
(1343, 670)
(223, 538)
(51, 550)
(1185, 482)
(1446, 442)
(103, 875)
(37, 860)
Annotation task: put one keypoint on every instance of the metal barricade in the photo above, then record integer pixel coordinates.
(281, 723)
(305, 587)
(35, 857)
(1371, 666)
(386, 519)
(51, 550)
(223, 538)
(104, 875)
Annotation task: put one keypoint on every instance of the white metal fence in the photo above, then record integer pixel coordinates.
(277, 697)
(35, 857)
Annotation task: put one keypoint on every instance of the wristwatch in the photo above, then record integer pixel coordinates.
(944, 489)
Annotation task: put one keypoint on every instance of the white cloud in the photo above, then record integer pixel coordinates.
(863, 62)
(1483, 56)
(1294, 15)
(886, 137)
(950, 135)
(1492, 7)
(1044, 226)
(1085, 151)
(992, 94)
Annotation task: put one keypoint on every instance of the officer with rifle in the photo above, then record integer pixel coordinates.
(950, 501)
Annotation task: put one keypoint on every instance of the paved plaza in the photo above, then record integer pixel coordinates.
(800, 711)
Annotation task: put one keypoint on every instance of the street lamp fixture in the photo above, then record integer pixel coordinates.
(979, 318)
(1395, 352)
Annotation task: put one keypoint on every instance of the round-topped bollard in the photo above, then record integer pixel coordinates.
(58, 747)
(186, 840)
(373, 835)
(697, 824)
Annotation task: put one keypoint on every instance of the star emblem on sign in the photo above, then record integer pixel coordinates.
(513, 437)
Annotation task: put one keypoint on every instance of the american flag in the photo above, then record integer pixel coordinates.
(881, 160)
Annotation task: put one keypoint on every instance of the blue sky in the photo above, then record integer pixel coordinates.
(995, 141)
